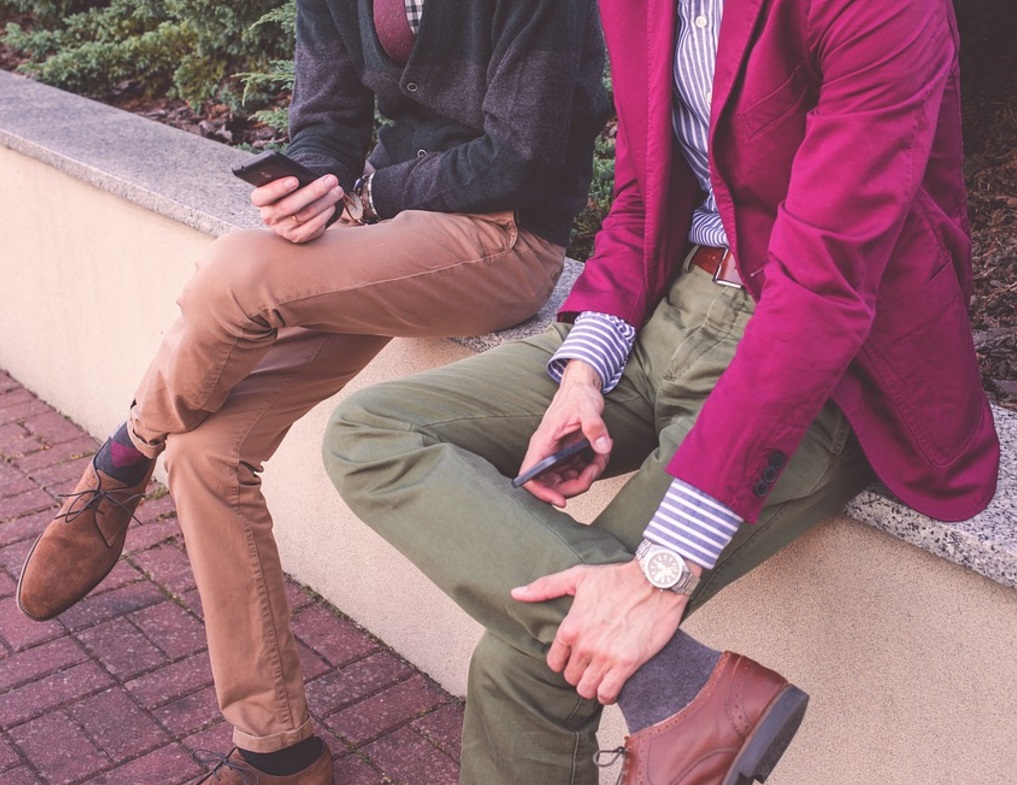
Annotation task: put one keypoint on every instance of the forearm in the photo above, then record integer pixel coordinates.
(331, 114)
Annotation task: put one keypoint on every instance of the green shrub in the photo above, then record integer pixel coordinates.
(49, 11)
(181, 48)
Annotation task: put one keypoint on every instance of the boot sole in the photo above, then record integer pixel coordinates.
(770, 738)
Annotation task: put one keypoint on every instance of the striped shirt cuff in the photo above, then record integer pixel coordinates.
(600, 339)
(693, 524)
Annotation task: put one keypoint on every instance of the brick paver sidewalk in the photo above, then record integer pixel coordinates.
(118, 690)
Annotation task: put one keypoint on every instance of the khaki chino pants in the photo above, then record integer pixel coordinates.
(267, 330)
(425, 461)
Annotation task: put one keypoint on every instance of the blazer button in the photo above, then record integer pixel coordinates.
(777, 459)
(761, 489)
(421, 153)
(769, 475)
(412, 87)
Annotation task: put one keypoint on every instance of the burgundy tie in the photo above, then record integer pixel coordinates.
(393, 29)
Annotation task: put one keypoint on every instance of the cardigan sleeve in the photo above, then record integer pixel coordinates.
(332, 113)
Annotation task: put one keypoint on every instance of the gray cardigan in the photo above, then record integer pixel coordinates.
(497, 109)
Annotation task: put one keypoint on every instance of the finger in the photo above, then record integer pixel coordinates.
(284, 196)
(611, 684)
(576, 672)
(558, 655)
(546, 493)
(595, 429)
(274, 191)
(549, 587)
(590, 683)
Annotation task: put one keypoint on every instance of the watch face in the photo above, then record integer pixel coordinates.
(664, 569)
(354, 207)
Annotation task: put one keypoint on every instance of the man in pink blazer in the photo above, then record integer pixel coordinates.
(774, 315)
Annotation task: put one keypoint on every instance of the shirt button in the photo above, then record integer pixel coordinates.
(709, 95)
(412, 87)
(701, 21)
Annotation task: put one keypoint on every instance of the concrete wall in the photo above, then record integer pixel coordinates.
(908, 656)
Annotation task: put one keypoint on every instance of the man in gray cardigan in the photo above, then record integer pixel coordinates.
(455, 224)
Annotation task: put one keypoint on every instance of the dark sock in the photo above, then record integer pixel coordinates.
(287, 761)
(667, 683)
(120, 459)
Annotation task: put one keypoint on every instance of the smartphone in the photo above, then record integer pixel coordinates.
(266, 167)
(551, 461)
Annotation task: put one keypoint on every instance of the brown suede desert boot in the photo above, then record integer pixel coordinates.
(80, 546)
(234, 770)
(733, 732)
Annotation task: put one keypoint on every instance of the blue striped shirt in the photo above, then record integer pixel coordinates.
(688, 521)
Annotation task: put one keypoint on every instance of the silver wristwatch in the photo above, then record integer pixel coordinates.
(665, 569)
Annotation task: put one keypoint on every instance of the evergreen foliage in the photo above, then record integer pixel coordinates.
(182, 48)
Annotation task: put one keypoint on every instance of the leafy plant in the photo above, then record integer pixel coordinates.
(180, 48)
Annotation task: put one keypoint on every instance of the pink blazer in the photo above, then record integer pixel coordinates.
(836, 162)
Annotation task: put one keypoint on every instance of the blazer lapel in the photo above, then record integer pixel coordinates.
(735, 32)
(660, 21)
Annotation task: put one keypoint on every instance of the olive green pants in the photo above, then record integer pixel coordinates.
(425, 461)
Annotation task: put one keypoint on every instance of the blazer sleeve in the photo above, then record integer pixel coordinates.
(614, 278)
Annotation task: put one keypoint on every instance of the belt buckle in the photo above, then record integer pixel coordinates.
(720, 270)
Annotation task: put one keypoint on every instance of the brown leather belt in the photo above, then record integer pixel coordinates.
(718, 262)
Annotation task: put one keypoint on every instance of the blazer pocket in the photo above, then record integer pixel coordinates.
(780, 102)
(925, 361)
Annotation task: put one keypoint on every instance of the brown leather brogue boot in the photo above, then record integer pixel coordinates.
(81, 544)
(733, 732)
(234, 770)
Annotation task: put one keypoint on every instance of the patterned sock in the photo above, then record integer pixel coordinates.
(667, 683)
(120, 459)
(286, 761)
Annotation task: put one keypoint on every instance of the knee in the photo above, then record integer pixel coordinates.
(228, 278)
(188, 455)
(359, 438)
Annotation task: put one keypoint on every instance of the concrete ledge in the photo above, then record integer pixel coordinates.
(888, 638)
(186, 178)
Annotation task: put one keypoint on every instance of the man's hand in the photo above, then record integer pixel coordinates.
(578, 406)
(298, 214)
(617, 622)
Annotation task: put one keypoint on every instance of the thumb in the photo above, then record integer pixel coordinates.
(549, 587)
(595, 430)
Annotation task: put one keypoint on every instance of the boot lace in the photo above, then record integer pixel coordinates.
(205, 757)
(605, 759)
(93, 497)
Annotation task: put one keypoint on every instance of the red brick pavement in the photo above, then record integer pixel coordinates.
(118, 690)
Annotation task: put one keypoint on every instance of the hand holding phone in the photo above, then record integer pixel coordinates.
(551, 461)
(266, 167)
